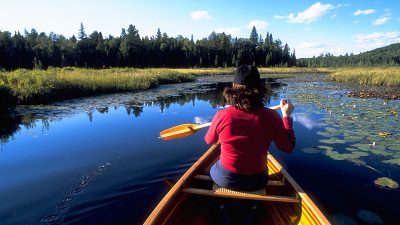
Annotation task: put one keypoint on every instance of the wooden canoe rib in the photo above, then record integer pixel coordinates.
(191, 199)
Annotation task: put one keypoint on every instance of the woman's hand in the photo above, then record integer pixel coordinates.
(286, 107)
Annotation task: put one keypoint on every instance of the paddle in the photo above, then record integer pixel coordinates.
(185, 130)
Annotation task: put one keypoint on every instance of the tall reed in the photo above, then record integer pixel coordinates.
(389, 76)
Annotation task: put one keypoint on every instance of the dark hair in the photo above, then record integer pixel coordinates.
(246, 98)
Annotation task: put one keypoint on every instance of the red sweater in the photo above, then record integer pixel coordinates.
(246, 136)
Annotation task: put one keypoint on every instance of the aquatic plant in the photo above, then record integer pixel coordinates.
(386, 183)
(389, 76)
(354, 127)
(311, 150)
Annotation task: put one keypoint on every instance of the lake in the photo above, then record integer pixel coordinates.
(98, 160)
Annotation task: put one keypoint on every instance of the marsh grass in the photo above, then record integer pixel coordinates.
(38, 86)
(32, 85)
(41, 86)
(389, 76)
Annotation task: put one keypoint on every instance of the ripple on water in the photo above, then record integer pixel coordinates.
(52, 219)
(61, 208)
(68, 199)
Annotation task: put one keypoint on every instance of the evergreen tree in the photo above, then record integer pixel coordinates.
(254, 36)
(82, 35)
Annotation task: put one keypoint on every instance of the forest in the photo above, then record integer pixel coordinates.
(385, 56)
(40, 51)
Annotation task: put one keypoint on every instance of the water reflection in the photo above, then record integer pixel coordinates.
(164, 98)
(13, 124)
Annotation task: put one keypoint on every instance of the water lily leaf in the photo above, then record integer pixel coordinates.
(311, 150)
(326, 148)
(327, 134)
(340, 156)
(362, 147)
(360, 153)
(369, 217)
(386, 183)
(392, 161)
(332, 141)
(352, 149)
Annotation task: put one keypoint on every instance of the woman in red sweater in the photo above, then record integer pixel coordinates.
(245, 131)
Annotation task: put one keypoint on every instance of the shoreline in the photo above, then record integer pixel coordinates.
(55, 84)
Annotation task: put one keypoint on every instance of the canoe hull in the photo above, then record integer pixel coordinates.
(180, 207)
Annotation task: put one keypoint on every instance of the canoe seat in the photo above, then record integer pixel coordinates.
(253, 195)
(219, 189)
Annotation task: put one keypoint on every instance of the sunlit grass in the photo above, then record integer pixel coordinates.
(57, 83)
(367, 76)
(27, 84)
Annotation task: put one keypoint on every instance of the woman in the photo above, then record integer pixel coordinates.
(245, 131)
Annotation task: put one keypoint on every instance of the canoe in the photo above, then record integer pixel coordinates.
(195, 199)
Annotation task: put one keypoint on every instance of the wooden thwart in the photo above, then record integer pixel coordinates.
(272, 198)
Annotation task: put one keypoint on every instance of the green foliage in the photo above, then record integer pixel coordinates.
(385, 56)
(374, 76)
(37, 50)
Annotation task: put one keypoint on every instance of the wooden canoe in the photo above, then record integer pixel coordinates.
(192, 199)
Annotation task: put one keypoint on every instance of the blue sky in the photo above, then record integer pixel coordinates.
(310, 27)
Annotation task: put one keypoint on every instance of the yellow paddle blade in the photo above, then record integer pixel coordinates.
(181, 131)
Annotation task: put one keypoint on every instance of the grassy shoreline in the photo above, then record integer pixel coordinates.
(382, 76)
(42, 86)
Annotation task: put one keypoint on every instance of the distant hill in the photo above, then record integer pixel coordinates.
(385, 56)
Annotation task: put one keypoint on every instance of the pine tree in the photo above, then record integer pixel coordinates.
(82, 35)
(254, 36)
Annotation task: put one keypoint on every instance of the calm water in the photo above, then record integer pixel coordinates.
(98, 160)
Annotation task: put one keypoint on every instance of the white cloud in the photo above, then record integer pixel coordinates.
(307, 28)
(229, 30)
(305, 120)
(364, 12)
(309, 15)
(200, 15)
(201, 120)
(379, 37)
(356, 22)
(259, 24)
(381, 20)
(333, 16)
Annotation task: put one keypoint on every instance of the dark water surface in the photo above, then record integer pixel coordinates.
(98, 160)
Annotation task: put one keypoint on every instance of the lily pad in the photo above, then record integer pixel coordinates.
(311, 150)
(326, 134)
(392, 161)
(332, 141)
(369, 217)
(324, 147)
(386, 182)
